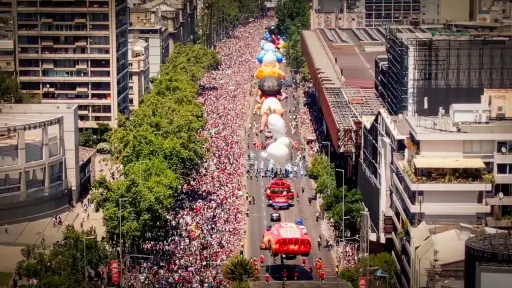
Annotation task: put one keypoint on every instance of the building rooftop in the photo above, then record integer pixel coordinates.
(322, 60)
(445, 125)
(355, 51)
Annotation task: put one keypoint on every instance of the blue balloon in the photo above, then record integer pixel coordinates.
(279, 58)
(259, 58)
(266, 36)
(263, 44)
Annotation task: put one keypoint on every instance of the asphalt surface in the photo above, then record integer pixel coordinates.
(259, 219)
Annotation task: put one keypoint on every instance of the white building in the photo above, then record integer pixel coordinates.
(445, 169)
(139, 72)
(443, 11)
(39, 158)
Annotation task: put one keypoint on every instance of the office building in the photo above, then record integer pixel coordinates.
(75, 52)
(139, 72)
(387, 12)
(428, 68)
(161, 24)
(39, 159)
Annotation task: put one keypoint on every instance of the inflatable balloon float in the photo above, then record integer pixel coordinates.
(270, 84)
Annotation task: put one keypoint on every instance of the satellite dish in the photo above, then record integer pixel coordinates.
(503, 149)
(501, 196)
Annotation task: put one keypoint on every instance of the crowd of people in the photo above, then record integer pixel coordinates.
(311, 122)
(348, 254)
(208, 224)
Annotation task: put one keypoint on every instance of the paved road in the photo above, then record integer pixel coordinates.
(260, 218)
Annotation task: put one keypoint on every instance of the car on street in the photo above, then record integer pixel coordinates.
(300, 223)
(275, 217)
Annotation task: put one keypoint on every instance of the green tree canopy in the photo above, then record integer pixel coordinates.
(158, 146)
(333, 204)
(319, 166)
(62, 265)
(292, 14)
(10, 91)
(239, 269)
(381, 261)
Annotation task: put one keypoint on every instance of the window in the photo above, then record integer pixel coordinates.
(503, 168)
(504, 147)
(506, 189)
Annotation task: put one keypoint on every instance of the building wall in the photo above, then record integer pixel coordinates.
(441, 148)
(46, 168)
(453, 10)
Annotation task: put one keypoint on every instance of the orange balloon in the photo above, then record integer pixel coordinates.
(266, 71)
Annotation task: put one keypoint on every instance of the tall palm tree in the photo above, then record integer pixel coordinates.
(239, 269)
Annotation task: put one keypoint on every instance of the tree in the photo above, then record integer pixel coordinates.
(63, 264)
(292, 13)
(319, 166)
(381, 261)
(333, 204)
(10, 91)
(91, 137)
(148, 190)
(294, 57)
(239, 269)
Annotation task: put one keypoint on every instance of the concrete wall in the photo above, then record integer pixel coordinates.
(453, 10)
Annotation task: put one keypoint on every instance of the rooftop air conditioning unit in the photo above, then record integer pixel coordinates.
(501, 111)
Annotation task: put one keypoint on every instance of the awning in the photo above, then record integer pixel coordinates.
(420, 162)
(506, 201)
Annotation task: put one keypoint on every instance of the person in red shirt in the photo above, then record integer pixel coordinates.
(267, 278)
(285, 275)
(262, 259)
(321, 275)
(303, 261)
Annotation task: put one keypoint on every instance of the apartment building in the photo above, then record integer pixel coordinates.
(75, 52)
(161, 24)
(139, 72)
(7, 62)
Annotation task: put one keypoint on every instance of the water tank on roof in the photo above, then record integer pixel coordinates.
(470, 113)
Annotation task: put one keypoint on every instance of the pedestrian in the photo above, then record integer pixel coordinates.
(6, 229)
(262, 259)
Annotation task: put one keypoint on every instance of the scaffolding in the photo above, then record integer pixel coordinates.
(427, 72)
(348, 105)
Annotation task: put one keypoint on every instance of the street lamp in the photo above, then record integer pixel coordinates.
(85, 256)
(343, 203)
(329, 151)
(121, 237)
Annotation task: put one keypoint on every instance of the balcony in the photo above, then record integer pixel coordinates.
(47, 42)
(429, 174)
(82, 89)
(48, 65)
(81, 66)
(402, 201)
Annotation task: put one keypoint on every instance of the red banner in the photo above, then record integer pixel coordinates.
(114, 265)
(362, 282)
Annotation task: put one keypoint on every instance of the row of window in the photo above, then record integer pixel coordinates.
(64, 40)
(65, 63)
(53, 73)
(49, 50)
(71, 17)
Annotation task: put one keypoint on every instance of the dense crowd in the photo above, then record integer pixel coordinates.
(348, 254)
(209, 221)
(311, 122)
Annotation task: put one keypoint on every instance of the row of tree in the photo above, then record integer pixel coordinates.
(219, 17)
(159, 147)
(66, 264)
(293, 16)
(323, 172)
